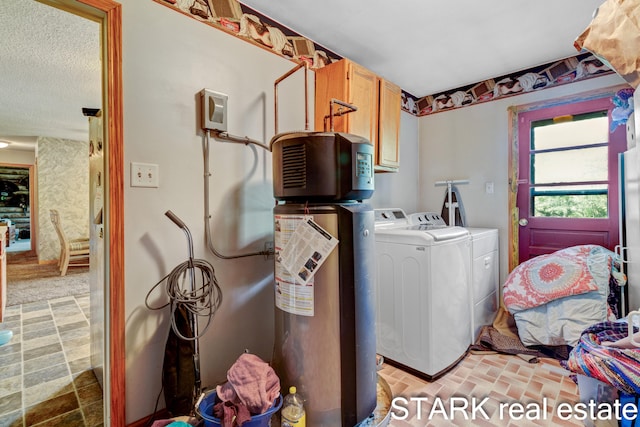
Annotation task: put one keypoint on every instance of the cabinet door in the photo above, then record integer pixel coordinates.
(378, 108)
(388, 149)
(330, 83)
(363, 93)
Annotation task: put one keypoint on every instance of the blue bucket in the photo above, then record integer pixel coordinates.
(206, 404)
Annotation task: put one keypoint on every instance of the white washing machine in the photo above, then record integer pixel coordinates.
(485, 271)
(422, 293)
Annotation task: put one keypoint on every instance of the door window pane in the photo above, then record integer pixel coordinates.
(578, 165)
(561, 205)
(580, 130)
(571, 201)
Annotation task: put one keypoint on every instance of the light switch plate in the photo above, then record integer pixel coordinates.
(488, 187)
(144, 175)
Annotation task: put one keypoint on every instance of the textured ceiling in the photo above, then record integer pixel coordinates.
(50, 70)
(428, 46)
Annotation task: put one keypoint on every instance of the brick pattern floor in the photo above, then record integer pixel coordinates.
(531, 394)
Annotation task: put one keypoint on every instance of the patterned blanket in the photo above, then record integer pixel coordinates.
(567, 272)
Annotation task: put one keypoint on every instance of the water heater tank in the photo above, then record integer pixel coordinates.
(322, 166)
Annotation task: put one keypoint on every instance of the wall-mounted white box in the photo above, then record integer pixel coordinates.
(214, 110)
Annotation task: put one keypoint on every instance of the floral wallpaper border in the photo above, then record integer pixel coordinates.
(568, 70)
(235, 18)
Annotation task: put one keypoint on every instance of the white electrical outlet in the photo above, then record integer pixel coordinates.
(144, 175)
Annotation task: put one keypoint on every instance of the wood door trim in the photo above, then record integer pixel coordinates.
(114, 141)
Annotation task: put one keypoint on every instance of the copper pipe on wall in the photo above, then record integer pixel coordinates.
(306, 94)
(226, 136)
(350, 109)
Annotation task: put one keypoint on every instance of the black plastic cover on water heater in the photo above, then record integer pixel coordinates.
(322, 166)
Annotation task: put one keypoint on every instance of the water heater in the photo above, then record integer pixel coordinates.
(325, 328)
(322, 166)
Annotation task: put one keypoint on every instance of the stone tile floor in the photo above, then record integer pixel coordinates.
(537, 388)
(45, 373)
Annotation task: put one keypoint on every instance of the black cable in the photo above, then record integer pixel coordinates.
(151, 419)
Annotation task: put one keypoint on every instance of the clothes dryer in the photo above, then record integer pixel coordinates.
(485, 271)
(422, 293)
(485, 280)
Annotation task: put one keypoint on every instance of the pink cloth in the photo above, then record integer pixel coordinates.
(251, 382)
(230, 414)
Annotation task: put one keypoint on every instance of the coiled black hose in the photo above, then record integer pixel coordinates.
(203, 299)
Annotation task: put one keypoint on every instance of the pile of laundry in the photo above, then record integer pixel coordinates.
(604, 352)
(251, 389)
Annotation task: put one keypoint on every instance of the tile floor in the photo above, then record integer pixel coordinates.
(45, 379)
(500, 378)
(45, 375)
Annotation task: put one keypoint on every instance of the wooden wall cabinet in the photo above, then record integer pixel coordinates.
(378, 103)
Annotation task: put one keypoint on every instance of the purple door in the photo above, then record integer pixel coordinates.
(568, 177)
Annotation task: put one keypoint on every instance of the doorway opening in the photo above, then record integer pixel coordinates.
(15, 206)
(109, 14)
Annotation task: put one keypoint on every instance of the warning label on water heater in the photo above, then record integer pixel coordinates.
(301, 247)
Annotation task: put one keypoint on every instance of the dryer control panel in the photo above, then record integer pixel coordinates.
(389, 214)
(390, 218)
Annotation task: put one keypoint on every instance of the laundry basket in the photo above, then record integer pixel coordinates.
(593, 390)
(205, 409)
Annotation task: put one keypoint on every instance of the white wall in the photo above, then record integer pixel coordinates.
(473, 143)
(17, 157)
(167, 59)
(399, 189)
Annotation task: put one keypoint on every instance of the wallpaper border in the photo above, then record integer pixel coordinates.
(239, 20)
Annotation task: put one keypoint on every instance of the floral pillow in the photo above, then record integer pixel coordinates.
(571, 271)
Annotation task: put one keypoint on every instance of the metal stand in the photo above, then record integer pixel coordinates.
(450, 205)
